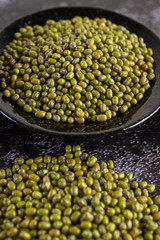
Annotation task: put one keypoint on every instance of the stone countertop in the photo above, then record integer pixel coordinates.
(136, 150)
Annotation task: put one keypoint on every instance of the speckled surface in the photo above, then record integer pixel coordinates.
(136, 150)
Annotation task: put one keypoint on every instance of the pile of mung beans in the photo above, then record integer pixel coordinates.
(73, 196)
(76, 70)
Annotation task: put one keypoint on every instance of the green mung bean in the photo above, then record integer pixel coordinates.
(76, 62)
(74, 197)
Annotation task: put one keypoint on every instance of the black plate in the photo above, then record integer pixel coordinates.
(135, 115)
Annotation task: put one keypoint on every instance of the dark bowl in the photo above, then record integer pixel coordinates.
(134, 116)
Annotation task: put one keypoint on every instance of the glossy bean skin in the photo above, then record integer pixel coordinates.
(76, 76)
(75, 195)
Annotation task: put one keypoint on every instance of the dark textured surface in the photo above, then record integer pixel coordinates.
(136, 150)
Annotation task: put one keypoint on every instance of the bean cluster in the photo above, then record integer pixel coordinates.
(76, 70)
(75, 197)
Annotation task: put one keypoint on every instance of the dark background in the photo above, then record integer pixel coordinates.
(136, 150)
